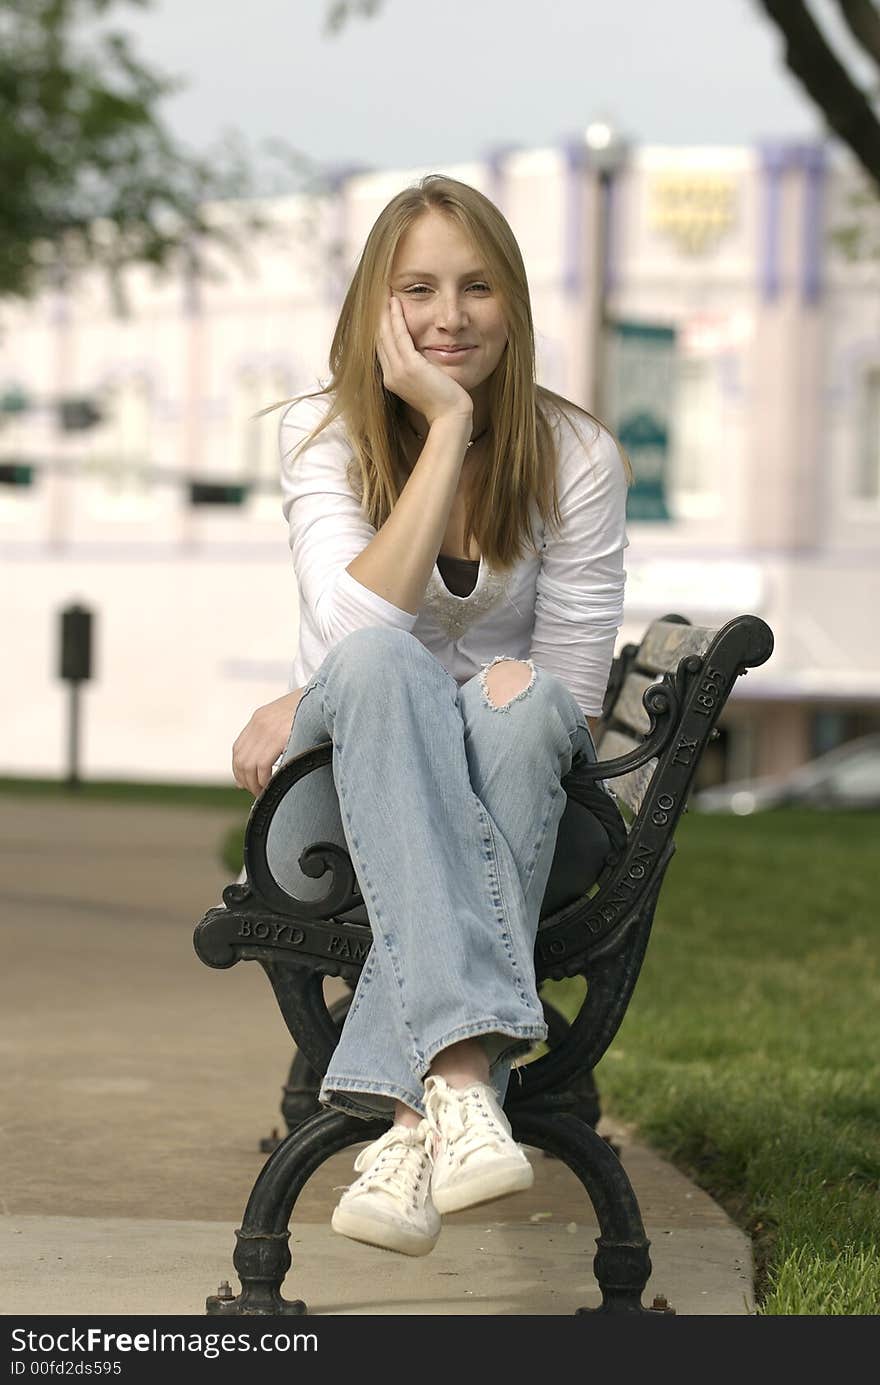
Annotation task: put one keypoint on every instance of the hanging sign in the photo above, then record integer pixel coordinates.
(640, 394)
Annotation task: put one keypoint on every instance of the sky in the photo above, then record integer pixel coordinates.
(430, 83)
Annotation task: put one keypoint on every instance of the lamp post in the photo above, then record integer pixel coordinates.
(607, 154)
(75, 667)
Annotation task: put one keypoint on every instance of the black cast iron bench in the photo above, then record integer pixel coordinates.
(664, 698)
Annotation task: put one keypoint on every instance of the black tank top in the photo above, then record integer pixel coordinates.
(459, 574)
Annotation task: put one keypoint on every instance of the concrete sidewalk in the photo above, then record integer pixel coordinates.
(138, 1083)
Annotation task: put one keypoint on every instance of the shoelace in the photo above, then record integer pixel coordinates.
(394, 1165)
(457, 1114)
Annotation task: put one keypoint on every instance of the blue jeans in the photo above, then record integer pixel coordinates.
(450, 809)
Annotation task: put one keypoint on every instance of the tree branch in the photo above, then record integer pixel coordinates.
(340, 12)
(864, 24)
(827, 82)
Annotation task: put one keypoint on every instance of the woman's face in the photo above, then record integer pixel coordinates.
(448, 299)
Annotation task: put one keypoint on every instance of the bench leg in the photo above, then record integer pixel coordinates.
(621, 1265)
(582, 1090)
(262, 1255)
(299, 1101)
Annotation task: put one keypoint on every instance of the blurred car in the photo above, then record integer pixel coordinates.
(847, 777)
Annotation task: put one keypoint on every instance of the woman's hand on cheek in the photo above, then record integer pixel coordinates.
(426, 387)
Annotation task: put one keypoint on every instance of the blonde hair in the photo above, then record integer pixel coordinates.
(522, 458)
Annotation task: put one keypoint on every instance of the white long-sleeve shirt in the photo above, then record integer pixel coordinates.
(562, 609)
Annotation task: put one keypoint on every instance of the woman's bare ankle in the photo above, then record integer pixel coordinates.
(405, 1115)
(462, 1064)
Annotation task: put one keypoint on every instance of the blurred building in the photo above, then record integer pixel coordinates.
(696, 298)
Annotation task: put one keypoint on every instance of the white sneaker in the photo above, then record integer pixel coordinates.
(475, 1156)
(390, 1204)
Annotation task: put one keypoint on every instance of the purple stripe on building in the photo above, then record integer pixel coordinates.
(496, 177)
(59, 297)
(730, 376)
(814, 162)
(611, 262)
(775, 159)
(191, 283)
(576, 160)
(335, 177)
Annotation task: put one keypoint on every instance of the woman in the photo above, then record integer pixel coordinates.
(457, 535)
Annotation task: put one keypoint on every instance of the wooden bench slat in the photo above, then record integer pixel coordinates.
(666, 643)
(629, 709)
(629, 788)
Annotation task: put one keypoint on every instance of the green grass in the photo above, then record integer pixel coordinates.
(101, 790)
(749, 1052)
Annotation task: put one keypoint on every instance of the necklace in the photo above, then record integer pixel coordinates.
(421, 436)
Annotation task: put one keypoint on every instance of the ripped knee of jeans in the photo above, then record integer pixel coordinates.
(507, 688)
